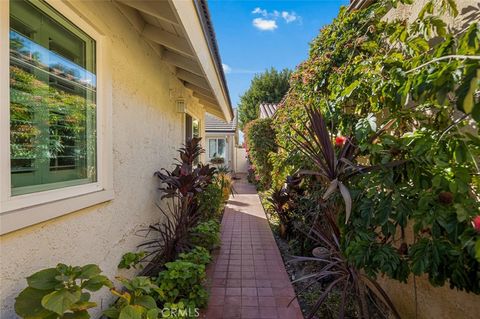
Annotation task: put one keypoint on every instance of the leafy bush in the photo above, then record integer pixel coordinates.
(60, 292)
(197, 255)
(409, 163)
(131, 259)
(206, 234)
(260, 141)
(182, 282)
(137, 302)
(224, 180)
(210, 201)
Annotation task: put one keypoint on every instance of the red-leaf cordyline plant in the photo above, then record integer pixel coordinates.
(170, 237)
(278, 202)
(185, 178)
(333, 169)
(181, 187)
(336, 271)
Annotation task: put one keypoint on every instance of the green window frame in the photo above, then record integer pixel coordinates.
(53, 100)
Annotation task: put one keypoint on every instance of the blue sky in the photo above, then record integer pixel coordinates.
(256, 35)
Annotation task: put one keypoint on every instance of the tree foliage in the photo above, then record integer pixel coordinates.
(260, 140)
(404, 93)
(267, 87)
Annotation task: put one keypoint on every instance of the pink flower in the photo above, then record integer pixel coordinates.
(476, 223)
(257, 177)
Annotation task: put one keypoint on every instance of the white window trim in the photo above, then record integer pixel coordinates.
(17, 212)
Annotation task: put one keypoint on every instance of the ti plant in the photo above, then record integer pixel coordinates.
(333, 168)
(337, 272)
(170, 237)
(60, 292)
(278, 201)
(186, 180)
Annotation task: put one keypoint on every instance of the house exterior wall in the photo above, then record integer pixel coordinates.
(432, 302)
(147, 131)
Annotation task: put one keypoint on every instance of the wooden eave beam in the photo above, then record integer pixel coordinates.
(193, 79)
(182, 62)
(200, 90)
(204, 97)
(167, 39)
(158, 9)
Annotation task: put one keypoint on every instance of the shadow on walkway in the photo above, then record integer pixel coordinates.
(247, 277)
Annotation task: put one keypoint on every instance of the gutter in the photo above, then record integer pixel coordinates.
(207, 27)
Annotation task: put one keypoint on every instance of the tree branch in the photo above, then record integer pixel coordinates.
(447, 57)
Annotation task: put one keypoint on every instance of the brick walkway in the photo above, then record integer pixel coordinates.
(248, 278)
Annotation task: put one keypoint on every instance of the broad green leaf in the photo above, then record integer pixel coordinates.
(88, 271)
(111, 313)
(146, 301)
(349, 89)
(97, 282)
(44, 279)
(61, 300)
(77, 315)
(152, 314)
(28, 304)
(83, 305)
(131, 312)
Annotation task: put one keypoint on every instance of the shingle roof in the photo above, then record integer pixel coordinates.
(215, 125)
(267, 110)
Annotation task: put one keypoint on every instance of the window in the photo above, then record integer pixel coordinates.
(52, 100)
(217, 147)
(55, 139)
(192, 127)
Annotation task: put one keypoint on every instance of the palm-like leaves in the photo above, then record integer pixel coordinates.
(336, 270)
(170, 237)
(332, 169)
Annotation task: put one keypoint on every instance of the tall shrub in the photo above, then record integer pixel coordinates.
(403, 93)
(260, 140)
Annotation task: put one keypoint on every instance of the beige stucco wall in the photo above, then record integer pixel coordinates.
(432, 302)
(147, 131)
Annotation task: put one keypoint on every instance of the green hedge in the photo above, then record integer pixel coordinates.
(260, 141)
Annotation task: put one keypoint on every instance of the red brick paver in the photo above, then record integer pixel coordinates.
(247, 277)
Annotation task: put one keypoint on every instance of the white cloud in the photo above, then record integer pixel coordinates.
(269, 20)
(226, 68)
(258, 10)
(289, 16)
(264, 24)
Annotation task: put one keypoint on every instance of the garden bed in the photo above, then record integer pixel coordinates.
(308, 293)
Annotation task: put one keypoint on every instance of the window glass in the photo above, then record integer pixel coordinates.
(196, 128)
(212, 147)
(221, 147)
(52, 100)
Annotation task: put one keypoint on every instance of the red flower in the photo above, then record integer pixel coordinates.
(340, 140)
(476, 223)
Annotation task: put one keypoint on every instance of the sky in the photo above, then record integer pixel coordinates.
(255, 35)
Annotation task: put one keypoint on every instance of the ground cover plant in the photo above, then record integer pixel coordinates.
(382, 123)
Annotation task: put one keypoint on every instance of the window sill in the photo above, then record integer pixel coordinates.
(28, 216)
